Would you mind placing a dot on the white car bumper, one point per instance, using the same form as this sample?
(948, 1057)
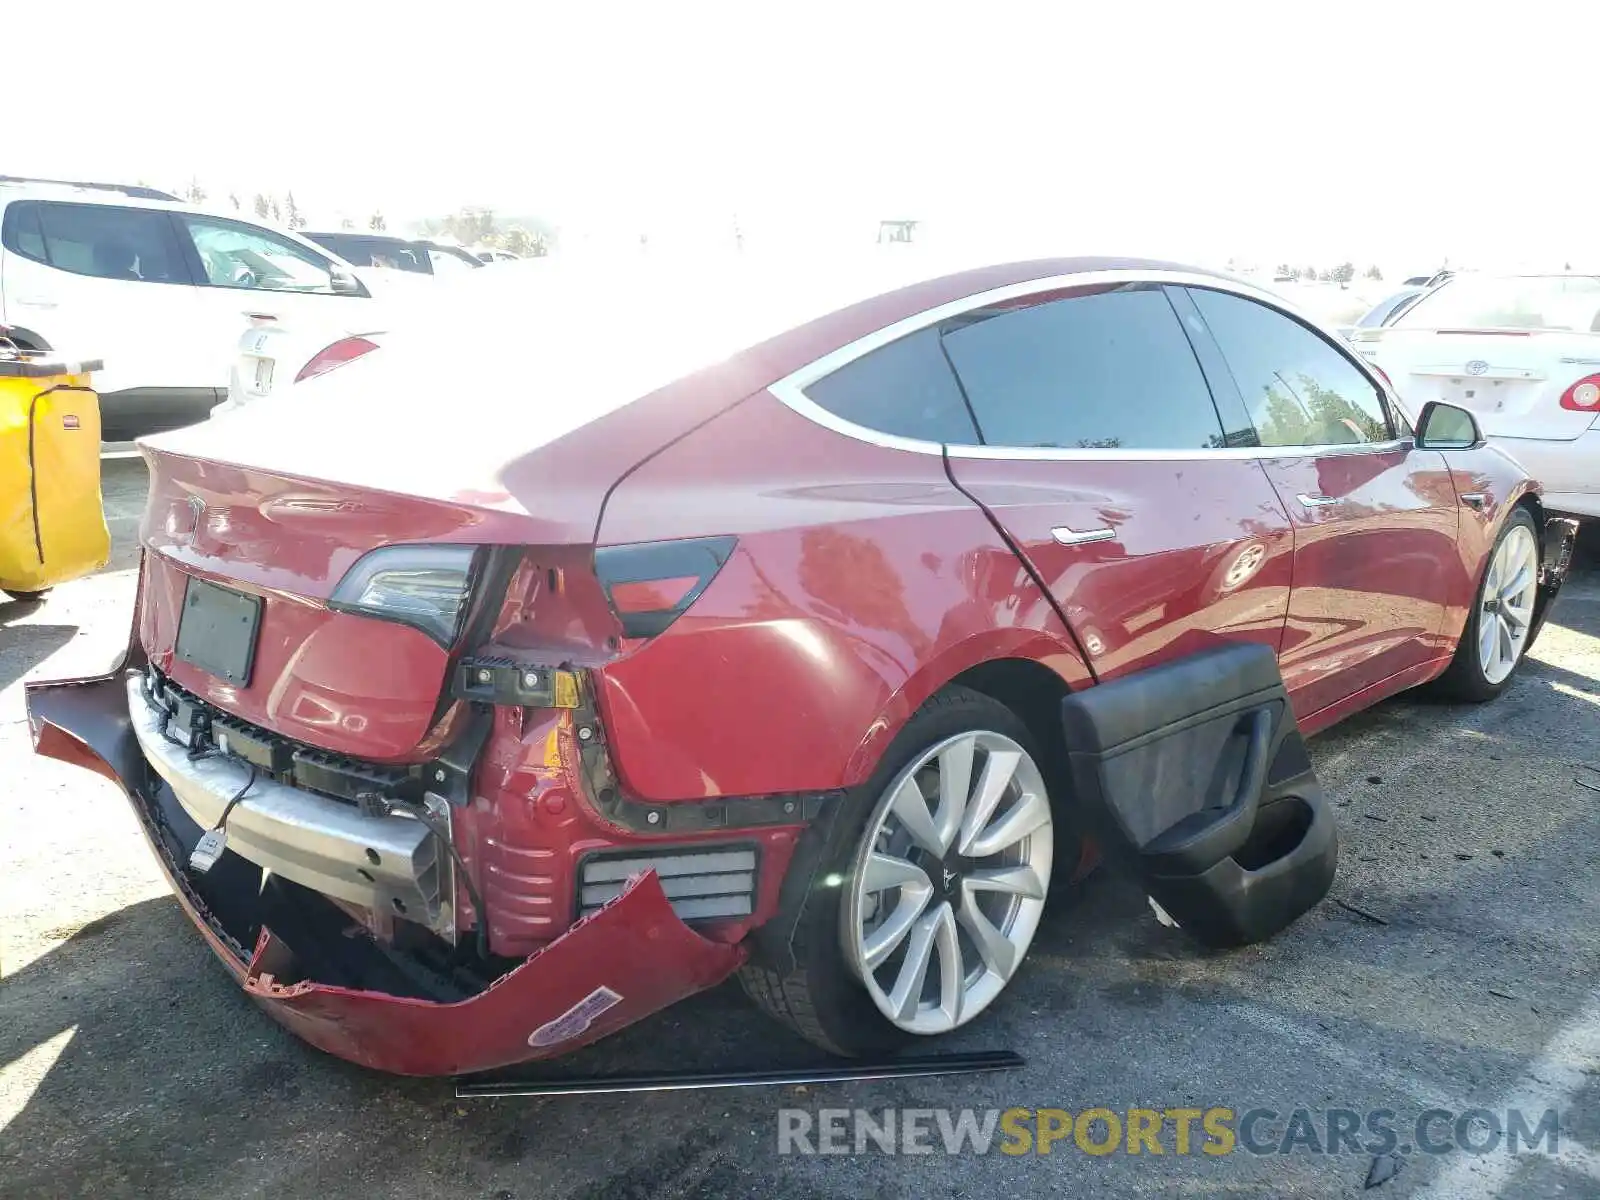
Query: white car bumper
(1569, 471)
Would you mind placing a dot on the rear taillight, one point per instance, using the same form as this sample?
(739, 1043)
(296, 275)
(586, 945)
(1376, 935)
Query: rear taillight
(1583, 396)
(650, 584)
(343, 351)
(425, 587)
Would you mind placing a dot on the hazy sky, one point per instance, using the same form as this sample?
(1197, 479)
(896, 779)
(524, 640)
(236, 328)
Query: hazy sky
(1399, 132)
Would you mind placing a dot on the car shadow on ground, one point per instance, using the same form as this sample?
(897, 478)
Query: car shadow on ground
(25, 646)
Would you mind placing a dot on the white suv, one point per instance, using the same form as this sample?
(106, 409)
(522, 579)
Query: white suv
(156, 288)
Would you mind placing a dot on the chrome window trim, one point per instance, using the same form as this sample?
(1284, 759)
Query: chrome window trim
(790, 390)
(1247, 453)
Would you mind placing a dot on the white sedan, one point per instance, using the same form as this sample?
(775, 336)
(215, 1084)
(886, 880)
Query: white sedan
(273, 353)
(1523, 353)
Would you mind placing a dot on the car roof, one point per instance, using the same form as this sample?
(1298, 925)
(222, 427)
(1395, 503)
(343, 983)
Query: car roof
(77, 193)
(96, 188)
(371, 235)
(622, 357)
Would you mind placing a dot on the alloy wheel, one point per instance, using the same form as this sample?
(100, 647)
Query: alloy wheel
(1505, 607)
(947, 890)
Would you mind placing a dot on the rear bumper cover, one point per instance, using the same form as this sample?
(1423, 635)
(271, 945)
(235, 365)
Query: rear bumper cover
(631, 958)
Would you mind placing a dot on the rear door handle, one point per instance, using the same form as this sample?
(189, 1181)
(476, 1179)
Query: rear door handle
(1316, 499)
(1068, 536)
(35, 302)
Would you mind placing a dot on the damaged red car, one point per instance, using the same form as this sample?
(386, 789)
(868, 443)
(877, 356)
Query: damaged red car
(550, 664)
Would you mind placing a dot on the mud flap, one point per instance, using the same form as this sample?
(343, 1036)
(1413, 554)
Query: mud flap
(1197, 779)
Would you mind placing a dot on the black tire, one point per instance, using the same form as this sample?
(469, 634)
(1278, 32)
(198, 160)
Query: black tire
(1464, 679)
(797, 971)
(26, 597)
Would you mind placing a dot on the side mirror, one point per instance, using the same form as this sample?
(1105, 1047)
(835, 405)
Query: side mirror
(1446, 427)
(345, 284)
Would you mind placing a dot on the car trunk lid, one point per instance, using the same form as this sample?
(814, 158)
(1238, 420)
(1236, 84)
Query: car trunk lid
(1510, 379)
(342, 681)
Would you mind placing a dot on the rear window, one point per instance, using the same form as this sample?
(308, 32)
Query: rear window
(1569, 302)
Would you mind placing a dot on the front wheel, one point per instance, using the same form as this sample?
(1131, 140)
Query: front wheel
(1501, 620)
(926, 891)
(26, 597)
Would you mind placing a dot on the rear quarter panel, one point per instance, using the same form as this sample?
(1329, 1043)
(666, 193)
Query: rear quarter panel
(863, 581)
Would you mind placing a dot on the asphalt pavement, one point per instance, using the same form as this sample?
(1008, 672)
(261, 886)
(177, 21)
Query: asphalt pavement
(1455, 967)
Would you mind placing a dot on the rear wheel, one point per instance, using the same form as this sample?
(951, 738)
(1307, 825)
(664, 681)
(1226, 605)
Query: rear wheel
(923, 892)
(1501, 620)
(25, 597)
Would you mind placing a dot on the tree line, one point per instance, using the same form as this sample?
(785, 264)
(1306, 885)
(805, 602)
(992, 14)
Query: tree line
(480, 227)
(470, 226)
(1343, 273)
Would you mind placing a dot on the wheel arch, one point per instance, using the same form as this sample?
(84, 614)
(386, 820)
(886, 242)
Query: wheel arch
(1028, 670)
(25, 338)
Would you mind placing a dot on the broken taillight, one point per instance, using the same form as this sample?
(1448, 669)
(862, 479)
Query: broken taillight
(650, 584)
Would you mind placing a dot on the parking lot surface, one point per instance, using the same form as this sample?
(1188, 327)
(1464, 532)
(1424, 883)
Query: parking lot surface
(1454, 966)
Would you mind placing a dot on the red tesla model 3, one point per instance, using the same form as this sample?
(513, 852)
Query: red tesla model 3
(553, 663)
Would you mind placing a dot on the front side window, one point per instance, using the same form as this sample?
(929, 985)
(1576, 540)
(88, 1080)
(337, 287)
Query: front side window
(1299, 390)
(905, 389)
(241, 256)
(1104, 368)
(134, 244)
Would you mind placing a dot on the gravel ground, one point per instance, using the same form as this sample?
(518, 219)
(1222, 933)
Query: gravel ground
(1455, 966)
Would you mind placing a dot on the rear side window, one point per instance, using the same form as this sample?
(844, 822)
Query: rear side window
(904, 388)
(361, 251)
(1300, 391)
(1098, 369)
(101, 240)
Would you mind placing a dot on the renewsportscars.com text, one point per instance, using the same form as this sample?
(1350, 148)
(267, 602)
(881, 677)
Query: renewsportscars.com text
(1217, 1130)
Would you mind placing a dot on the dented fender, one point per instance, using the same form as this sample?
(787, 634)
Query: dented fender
(625, 961)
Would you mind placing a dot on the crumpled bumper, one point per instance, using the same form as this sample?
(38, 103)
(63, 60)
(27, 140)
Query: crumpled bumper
(631, 958)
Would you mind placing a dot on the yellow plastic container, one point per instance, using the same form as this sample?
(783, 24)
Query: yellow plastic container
(52, 520)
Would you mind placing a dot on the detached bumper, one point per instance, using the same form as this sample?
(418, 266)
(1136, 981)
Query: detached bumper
(630, 958)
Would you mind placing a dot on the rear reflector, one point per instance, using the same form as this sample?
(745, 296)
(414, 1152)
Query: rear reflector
(650, 584)
(1583, 396)
(343, 351)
